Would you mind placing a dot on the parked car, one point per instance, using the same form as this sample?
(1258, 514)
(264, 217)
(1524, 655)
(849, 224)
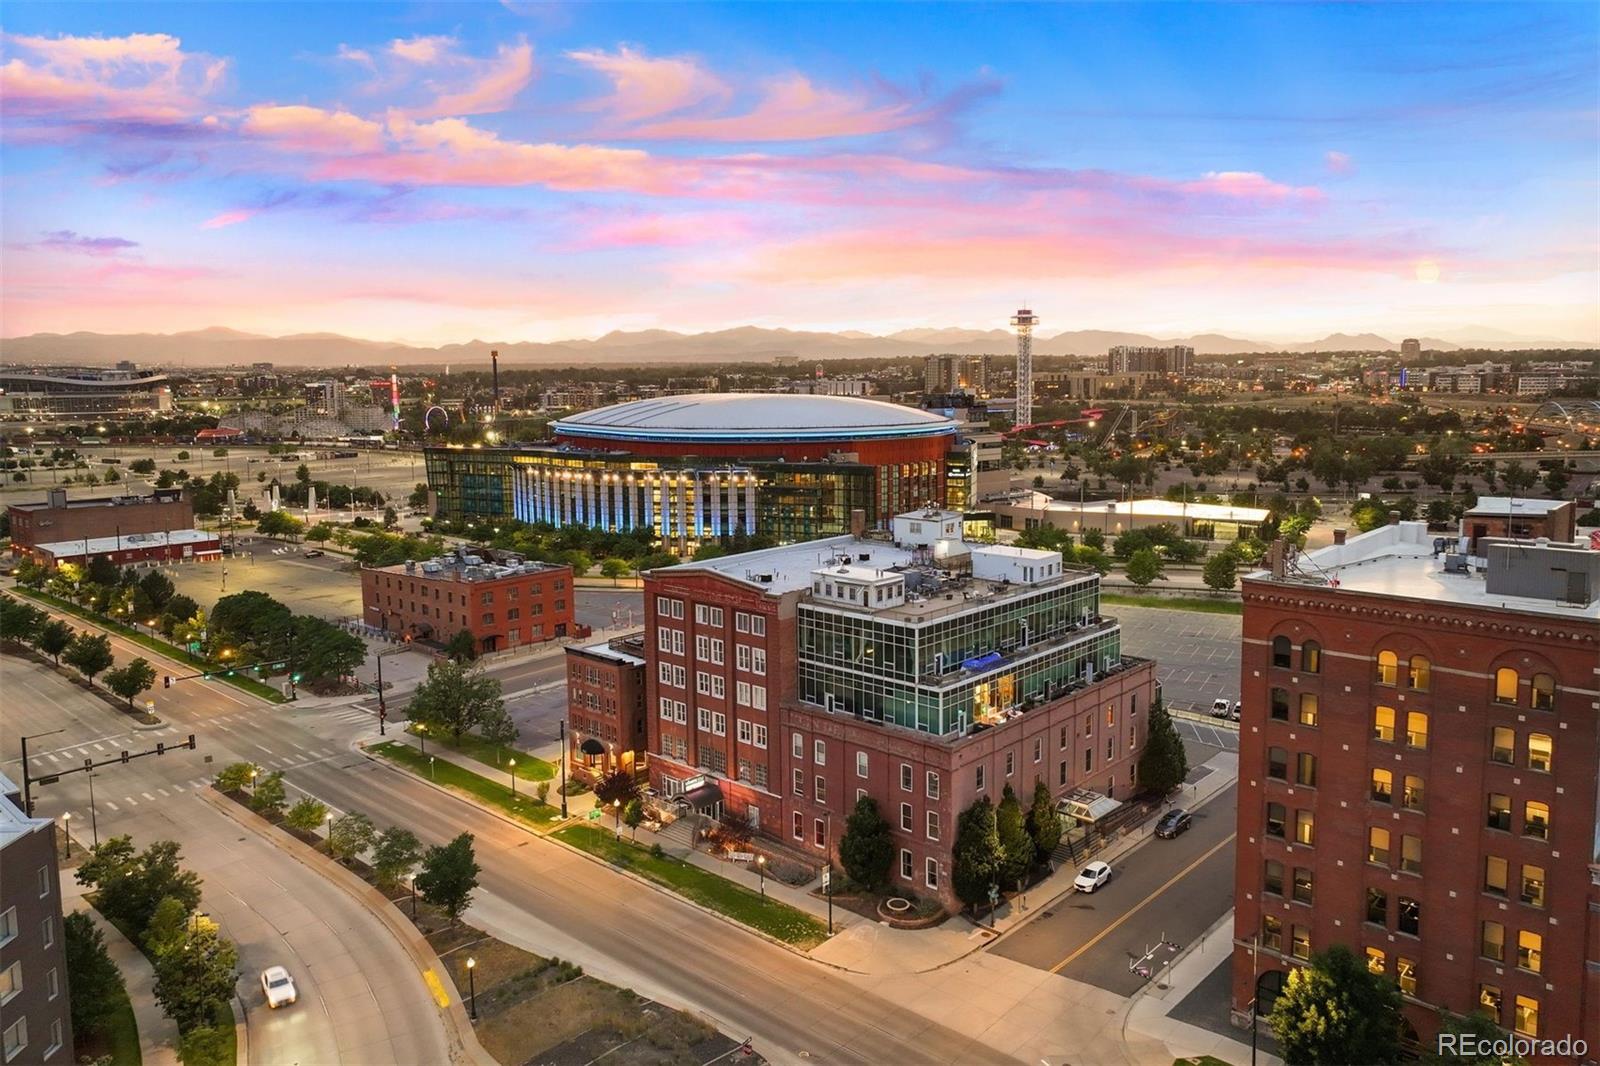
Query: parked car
(1238, 709)
(1173, 822)
(315, 553)
(1221, 708)
(278, 987)
(1092, 876)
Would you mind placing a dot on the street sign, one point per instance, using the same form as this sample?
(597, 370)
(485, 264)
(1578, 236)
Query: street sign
(52, 779)
(827, 879)
(742, 856)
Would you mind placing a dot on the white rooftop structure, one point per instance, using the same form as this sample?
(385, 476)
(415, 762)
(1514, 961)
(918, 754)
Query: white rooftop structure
(1150, 508)
(754, 416)
(64, 549)
(13, 823)
(1401, 560)
(788, 567)
(1502, 506)
(604, 650)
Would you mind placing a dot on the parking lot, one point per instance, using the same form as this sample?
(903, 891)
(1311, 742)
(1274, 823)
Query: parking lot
(1196, 654)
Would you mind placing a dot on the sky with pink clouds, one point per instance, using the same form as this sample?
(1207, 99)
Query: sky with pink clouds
(519, 171)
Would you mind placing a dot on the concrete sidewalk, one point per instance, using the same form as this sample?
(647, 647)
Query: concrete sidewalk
(1148, 1012)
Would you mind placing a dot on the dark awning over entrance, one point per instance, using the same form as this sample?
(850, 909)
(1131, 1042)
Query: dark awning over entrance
(701, 797)
(591, 746)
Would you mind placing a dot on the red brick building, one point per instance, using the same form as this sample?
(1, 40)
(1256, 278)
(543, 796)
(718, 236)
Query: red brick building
(503, 604)
(605, 707)
(783, 684)
(1524, 519)
(58, 519)
(1417, 769)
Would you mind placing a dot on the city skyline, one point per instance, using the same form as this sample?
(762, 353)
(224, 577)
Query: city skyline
(537, 173)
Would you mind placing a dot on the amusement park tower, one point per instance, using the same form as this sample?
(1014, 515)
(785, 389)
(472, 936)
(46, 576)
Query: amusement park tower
(1024, 320)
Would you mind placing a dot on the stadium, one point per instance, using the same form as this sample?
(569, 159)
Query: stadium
(701, 468)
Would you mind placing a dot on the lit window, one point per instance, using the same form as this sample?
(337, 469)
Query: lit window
(1383, 724)
(1544, 692)
(1489, 1001)
(1406, 970)
(1419, 673)
(1271, 932)
(1530, 951)
(1492, 941)
(1502, 745)
(1378, 845)
(1382, 785)
(1416, 729)
(1526, 1021)
(1505, 685)
(1303, 883)
(1411, 854)
(1311, 657)
(1536, 819)
(1377, 962)
(1308, 708)
(1533, 885)
(1499, 815)
(1540, 751)
(1494, 875)
(1305, 827)
(1388, 668)
(1305, 772)
(1300, 942)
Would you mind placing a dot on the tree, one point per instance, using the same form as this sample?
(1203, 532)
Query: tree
(616, 569)
(449, 875)
(975, 861)
(322, 532)
(19, 621)
(1163, 764)
(280, 524)
(132, 679)
(1044, 823)
(158, 589)
(1555, 481)
(102, 571)
(1221, 571)
(94, 980)
(498, 729)
(418, 497)
(1144, 566)
(204, 1044)
(169, 926)
(632, 815)
(462, 647)
(1016, 846)
(350, 835)
(1482, 1029)
(302, 474)
(866, 849)
(89, 654)
(306, 815)
(321, 649)
(394, 853)
(130, 885)
(192, 979)
(1336, 1012)
(455, 698)
(617, 785)
(234, 777)
(269, 795)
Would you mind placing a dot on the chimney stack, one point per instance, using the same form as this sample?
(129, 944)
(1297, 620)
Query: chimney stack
(1277, 559)
(1394, 518)
(858, 523)
(1339, 535)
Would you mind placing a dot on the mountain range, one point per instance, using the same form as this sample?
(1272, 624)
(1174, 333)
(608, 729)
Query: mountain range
(220, 346)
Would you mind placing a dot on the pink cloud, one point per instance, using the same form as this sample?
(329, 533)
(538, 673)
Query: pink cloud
(1338, 162)
(792, 108)
(644, 87)
(491, 85)
(312, 129)
(143, 77)
(228, 218)
(660, 230)
(66, 240)
(423, 50)
(1248, 185)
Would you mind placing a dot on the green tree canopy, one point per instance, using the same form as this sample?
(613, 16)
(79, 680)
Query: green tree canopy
(131, 680)
(306, 815)
(975, 862)
(195, 977)
(350, 835)
(462, 647)
(449, 875)
(89, 653)
(1016, 846)
(1221, 571)
(455, 698)
(866, 849)
(1044, 823)
(94, 980)
(1336, 1012)
(1164, 763)
(54, 637)
(269, 796)
(130, 884)
(1145, 566)
(394, 853)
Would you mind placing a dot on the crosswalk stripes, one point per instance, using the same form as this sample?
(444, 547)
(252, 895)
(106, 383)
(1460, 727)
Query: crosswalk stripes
(112, 805)
(130, 801)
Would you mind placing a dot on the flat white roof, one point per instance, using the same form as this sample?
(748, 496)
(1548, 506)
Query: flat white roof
(869, 575)
(1011, 551)
(753, 416)
(13, 823)
(1492, 506)
(604, 650)
(1398, 560)
(1151, 508)
(127, 542)
(788, 567)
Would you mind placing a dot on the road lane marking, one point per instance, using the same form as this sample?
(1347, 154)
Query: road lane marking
(147, 796)
(130, 801)
(267, 750)
(163, 791)
(99, 747)
(434, 986)
(113, 806)
(1108, 930)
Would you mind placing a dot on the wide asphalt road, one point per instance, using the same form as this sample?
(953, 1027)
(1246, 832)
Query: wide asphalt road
(1165, 889)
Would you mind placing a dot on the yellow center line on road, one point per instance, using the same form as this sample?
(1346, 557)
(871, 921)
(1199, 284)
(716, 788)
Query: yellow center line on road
(1108, 930)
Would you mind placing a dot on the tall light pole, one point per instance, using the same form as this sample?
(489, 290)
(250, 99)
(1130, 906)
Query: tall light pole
(512, 765)
(66, 833)
(472, 986)
(563, 767)
(761, 869)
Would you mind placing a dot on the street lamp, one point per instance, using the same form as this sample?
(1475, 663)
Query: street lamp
(254, 770)
(412, 878)
(616, 815)
(761, 868)
(422, 736)
(512, 764)
(472, 986)
(66, 832)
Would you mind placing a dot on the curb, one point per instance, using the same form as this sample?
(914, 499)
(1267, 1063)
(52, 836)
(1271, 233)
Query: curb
(459, 1026)
(1203, 718)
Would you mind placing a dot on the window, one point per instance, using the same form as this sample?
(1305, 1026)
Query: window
(930, 873)
(1533, 885)
(1494, 875)
(1525, 1019)
(1489, 1000)
(819, 832)
(1408, 917)
(1506, 682)
(719, 723)
(799, 821)
(1544, 692)
(1088, 760)
(821, 790)
(1382, 785)
(758, 625)
(1388, 668)
(47, 931)
(10, 982)
(1308, 708)
(1311, 657)
(43, 878)
(905, 864)
(1383, 724)
(819, 752)
(1271, 932)
(1300, 942)
(1416, 729)
(1406, 970)
(1530, 951)
(797, 745)
(741, 656)
(1282, 652)
(1278, 764)
(52, 984)
(1492, 941)
(758, 661)
(932, 785)
(16, 1038)
(1278, 704)
(906, 816)
(1272, 878)
(1305, 827)
(1536, 819)
(977, 777)
(1038, 748)
(703, 719)
(663, 639)
(1540, 751)
(905, 777)
(1377, 906)
(1411, 854)
(1414, 793)
(744, 731)
(1499, 812)
(799, 785)
(1378, 845)
(8, 924)
(1502, 745)
(1065, 733)
(1304, 882)
(1011, 763)
(1419, 673)
(1377, 962)
(1276, 819)
(933, 825)
(1305, 770)
(861, 764)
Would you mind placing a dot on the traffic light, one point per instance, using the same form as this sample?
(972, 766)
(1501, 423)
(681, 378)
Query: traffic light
(295, 678)
(191, 741)
(161, 747)
(166, 681)
(124, 756)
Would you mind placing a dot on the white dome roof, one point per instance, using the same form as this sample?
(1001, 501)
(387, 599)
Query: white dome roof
(754, 416)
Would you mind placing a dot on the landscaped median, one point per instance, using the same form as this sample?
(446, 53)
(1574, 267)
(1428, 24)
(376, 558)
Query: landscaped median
(529, 767)
(763, 913)
(524, 808)
(155, 644)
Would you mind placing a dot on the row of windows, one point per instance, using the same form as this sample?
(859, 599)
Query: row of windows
(1419, 673)
(707, 615)
(1380, 849)
(1530, 946)
(1496, 875)
(1535, 816)
(486, 597)
(1408, 912)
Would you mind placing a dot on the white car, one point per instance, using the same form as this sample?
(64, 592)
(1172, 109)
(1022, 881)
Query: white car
(1092, 876)
(278, 987)
(1221, 708)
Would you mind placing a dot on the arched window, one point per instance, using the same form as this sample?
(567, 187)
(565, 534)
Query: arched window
(1506, 682)
(1282, 652)
(1311, 657)
(1544, 692)
(1420, 673)
(1388, 668)
(1280, 704)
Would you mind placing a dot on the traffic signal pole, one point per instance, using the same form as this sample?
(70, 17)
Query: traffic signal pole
(89, 765)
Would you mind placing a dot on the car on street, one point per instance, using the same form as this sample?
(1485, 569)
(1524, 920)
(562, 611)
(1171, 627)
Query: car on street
(1174, 822)
(1221, 708)
(314, 553)
(1092, 876)
(278, 987)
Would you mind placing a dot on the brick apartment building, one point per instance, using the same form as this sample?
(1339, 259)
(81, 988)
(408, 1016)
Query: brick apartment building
(58, 519)
(1418, 777)
(916, 669)
(35, 1025)
(503, 604)
(605, 707)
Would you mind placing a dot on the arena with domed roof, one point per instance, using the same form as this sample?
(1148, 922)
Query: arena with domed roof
(709, 467)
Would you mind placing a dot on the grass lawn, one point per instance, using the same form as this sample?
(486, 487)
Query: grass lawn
(118, 1043)
(497, 794)
(155, 644)
(770, 916)
(529, 767)
(1174, 603)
